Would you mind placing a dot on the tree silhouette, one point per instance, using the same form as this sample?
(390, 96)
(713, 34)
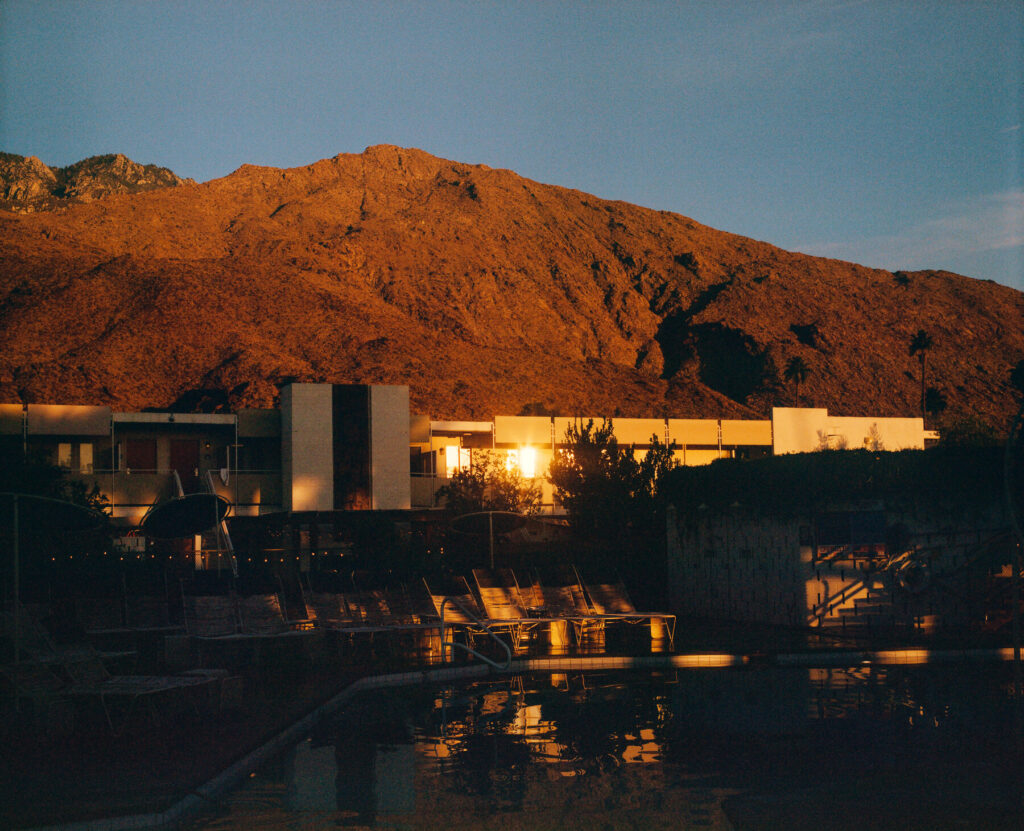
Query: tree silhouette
(603, 486)
(919, 345)
(796, 371)
(490, 485)
(934, 401)
(1017, 376)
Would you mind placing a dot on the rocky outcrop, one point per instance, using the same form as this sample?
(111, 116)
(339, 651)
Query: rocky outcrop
(484, 291)
(25, 182)
(27, 185)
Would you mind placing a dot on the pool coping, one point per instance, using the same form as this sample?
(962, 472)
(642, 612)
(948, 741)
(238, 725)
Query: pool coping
(203, 796)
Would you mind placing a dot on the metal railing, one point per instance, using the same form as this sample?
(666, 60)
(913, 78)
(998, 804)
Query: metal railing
(446, 644)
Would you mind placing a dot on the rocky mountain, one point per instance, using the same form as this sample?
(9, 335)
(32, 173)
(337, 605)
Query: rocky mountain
(26, 184)
(484, 291)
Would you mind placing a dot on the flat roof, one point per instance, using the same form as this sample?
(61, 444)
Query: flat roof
(212, 419)
(460, 426)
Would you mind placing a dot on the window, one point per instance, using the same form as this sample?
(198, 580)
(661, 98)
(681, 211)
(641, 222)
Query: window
(140, 454)
(75, 457)
(455, 458)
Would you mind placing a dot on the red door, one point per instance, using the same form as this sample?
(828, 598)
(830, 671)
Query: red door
(185, 460)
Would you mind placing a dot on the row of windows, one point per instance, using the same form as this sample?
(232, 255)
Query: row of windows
(184, 455)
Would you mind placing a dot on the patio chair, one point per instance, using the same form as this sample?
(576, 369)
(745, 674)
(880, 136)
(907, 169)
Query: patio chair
(465, 611)
(35, 642)
(100, 615)
(458, 608)
(562, 596)
(262, 614)
(369, 608)
(90, 679)
(500, 600)
(328, 610)
(504, 605)
(148, 613)
(239, 630)
(210, 616)
(610, 601)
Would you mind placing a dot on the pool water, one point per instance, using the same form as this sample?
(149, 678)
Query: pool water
(926, 747)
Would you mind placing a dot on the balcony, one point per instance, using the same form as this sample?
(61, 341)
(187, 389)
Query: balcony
(131, 493)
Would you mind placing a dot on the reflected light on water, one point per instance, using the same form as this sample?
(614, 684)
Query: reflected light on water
(659, 750)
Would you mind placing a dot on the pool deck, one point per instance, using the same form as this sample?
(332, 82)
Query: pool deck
(154, 773)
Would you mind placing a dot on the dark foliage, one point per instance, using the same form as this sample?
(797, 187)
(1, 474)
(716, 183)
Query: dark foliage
(800, 483)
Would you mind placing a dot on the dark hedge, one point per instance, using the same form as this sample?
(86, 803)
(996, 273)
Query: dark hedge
(798, 483)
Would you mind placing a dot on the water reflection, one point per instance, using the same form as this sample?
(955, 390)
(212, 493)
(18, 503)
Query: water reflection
(897, 747)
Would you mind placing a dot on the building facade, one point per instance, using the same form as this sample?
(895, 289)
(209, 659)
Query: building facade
(334, 447)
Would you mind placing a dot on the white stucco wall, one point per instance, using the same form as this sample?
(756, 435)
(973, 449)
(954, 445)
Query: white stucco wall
(389, 448)
(307, 447)
(807, 429)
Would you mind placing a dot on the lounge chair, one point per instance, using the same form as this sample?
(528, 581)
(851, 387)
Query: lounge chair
(562, 596)
(241, 629)
(91, 679)
(36, 644)
(84, 677)
(372, 620)
(463, 610)
(210, 616)
(144, 613)
(504, 604)
(501, 601)
(610, 601)
(458, 608)
(370, 608)
(328, 610)
(100, 615)
(263, 614)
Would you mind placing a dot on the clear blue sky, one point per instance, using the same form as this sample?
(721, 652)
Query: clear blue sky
(887, 133)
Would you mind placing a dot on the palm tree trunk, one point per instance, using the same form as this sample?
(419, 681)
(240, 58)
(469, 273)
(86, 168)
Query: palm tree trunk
(921, 358)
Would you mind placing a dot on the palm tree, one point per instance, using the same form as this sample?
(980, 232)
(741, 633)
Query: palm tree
(797, 372)
(1017, 377)
(934, 401)
(919, 345)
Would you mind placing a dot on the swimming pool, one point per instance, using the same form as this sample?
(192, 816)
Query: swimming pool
(869, 746)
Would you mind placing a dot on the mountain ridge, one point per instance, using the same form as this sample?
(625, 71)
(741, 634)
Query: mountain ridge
(27, 184)
(484, 291)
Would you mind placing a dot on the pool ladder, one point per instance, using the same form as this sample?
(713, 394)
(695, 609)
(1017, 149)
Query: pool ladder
(446, 644)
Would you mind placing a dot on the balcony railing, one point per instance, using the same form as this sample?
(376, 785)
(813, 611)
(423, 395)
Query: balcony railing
(132, 492)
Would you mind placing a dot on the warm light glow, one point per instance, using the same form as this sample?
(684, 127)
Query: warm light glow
(902, 656)
(455, 458)
(524, 459)
(706, 660)
(528, 462)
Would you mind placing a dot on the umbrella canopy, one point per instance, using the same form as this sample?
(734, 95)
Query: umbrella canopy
(29, 511)
(53, 514)
(184, 516)
(487, 522)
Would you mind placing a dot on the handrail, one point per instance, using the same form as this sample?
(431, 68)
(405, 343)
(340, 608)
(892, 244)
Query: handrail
(452, 644)
(823, 609)
(223, 535)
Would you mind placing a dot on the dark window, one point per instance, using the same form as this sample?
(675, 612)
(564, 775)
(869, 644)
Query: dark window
(140, 454)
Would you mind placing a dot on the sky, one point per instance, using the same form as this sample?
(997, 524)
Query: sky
(886, 133)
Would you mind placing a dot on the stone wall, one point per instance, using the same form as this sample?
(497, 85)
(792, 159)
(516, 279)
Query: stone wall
(739, 565)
